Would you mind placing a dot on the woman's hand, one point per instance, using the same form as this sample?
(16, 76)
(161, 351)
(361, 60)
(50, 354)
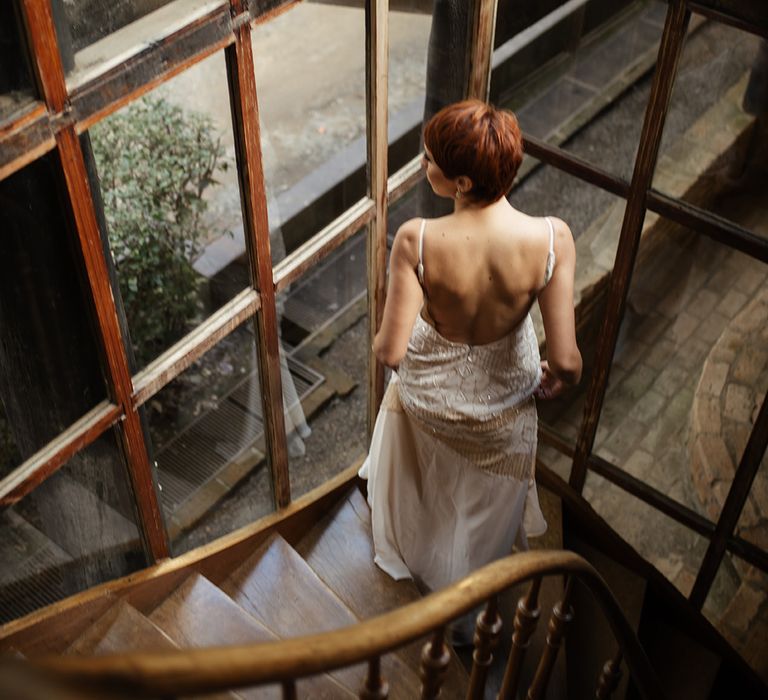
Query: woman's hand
(550, 386)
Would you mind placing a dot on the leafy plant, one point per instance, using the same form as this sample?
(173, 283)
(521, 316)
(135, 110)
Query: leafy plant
(155, 161)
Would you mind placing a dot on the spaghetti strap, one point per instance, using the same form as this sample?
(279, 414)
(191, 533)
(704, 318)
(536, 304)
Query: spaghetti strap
(420, 268)
(550, 268)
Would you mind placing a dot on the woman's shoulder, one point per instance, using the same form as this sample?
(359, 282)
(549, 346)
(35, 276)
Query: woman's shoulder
(561, 228)
(564, 242)
(406, 241)
(536, 229)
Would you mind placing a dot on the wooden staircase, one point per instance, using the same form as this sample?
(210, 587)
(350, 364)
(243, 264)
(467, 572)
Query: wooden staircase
(310, 571)
(326, 582)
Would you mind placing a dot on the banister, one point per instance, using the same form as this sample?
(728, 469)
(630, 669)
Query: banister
(220, 668)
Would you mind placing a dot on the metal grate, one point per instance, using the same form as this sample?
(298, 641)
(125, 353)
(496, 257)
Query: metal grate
(217, 438)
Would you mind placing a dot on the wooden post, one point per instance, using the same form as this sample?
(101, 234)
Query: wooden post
(526, 619)
(245, 117)
(487, 635)
(631, 228)
(609, 677)
(481, 48)
(562, 615)
(375, 688)
(376, 40)
(434, 662)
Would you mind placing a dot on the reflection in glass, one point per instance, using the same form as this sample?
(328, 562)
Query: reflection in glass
(50, 373)
(207, 434)
(325, 341)
(671, 547)
(310, 74)
(172, 207)
(88, 21)
(75, 530)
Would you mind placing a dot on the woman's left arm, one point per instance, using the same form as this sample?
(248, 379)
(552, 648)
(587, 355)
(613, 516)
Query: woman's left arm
(404, 297)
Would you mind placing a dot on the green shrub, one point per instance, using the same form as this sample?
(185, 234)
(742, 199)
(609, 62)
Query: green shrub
(155, 161)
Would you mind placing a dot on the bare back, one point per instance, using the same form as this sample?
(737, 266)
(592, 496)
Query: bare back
(482, 270)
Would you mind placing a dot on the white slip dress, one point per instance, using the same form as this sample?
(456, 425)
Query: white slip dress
(451, 465)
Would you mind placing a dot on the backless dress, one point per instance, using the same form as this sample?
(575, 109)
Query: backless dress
(451, 465)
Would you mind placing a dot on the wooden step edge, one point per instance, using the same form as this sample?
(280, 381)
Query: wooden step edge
(202, 597)
(121, 628)
(404, 681)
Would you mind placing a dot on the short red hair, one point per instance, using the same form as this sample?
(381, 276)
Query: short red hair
(479, 141)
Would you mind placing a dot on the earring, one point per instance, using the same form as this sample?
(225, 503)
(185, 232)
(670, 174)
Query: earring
(458, 193)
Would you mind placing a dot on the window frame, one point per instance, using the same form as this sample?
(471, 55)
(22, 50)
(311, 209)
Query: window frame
(56, 119)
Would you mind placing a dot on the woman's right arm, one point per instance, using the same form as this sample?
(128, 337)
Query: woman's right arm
(562, 368)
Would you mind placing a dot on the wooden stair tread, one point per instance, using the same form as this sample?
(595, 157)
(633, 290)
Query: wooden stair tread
(360, 584)
(281, 590)
(365, 588)
(123, 628)
(186, 616)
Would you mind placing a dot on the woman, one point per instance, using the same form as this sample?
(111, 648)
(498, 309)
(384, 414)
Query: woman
(451, 466)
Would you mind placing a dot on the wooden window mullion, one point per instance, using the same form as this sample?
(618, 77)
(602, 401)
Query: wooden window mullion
(46, 461)
(245, 111)
(481, 48)
(376, 93)
(47, 59)
(49, 69)
(631, 228)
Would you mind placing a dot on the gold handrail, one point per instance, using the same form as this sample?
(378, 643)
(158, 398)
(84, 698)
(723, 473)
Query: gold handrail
(221, 668)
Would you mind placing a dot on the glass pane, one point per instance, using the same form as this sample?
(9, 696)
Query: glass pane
(736, 606)
(15, 73)
(671, 547)
(50, 372)
(310, 74)
(409, 33)
(560, 67)
(77, 529)
(207, 434)
(324, 354)
(171, 204)
(689, 367)
(709, 141)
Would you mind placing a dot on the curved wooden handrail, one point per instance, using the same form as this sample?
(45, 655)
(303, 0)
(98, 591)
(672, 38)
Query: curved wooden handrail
(221, 668)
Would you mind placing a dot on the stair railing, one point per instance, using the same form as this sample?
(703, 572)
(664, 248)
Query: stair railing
(199, 671)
